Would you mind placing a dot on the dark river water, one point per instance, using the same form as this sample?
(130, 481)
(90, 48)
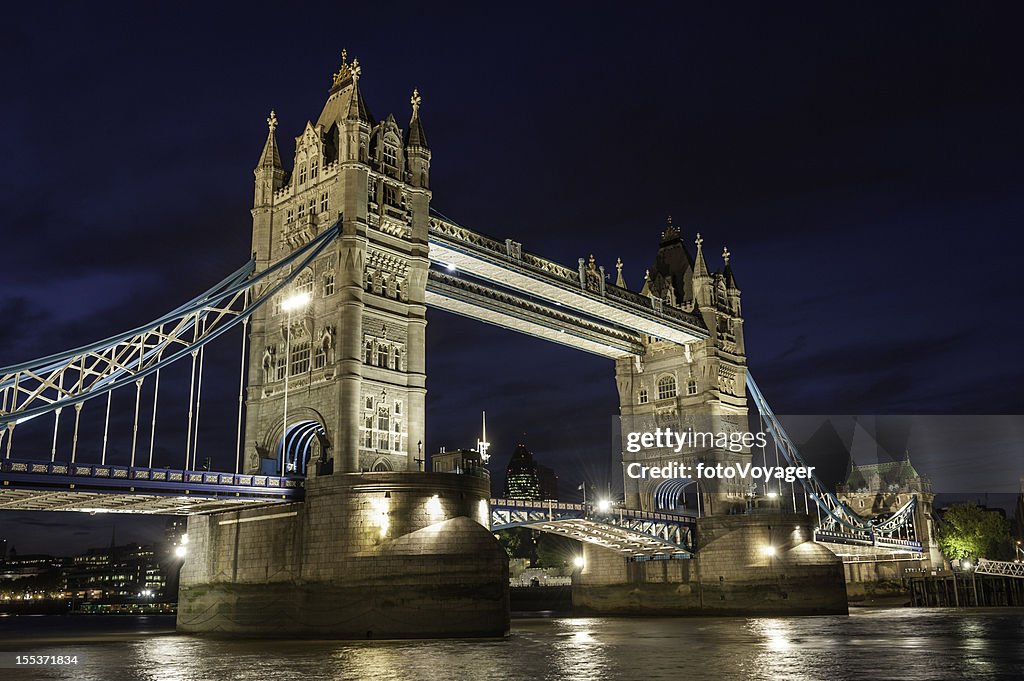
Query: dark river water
(931, 645)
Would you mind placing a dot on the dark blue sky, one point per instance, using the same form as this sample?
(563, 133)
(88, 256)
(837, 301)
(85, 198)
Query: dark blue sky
(862, 162)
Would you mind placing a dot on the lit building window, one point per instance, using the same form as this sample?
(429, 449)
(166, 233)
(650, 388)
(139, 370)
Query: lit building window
(300, 357)
(666, 387)
(304, 284)
(390, 156)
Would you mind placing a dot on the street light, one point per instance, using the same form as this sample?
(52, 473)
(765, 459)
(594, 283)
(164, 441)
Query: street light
(578, 562)
(296, 301)
(604, 505)
(180, 551)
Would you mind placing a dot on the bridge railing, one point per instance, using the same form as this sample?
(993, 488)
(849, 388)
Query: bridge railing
(105, 475)
(511, 252)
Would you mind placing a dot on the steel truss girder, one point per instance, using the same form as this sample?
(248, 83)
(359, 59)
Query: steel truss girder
(637, 534)
(1002, 568)
(51, 383)
(506, 264)
(513, 310)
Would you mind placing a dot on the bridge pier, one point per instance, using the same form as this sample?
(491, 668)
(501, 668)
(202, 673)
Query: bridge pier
(745, 564)
(372, 555)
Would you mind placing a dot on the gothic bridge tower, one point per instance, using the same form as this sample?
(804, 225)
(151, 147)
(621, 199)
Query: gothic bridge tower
(698, 386)
(347, 337)
(377, 548)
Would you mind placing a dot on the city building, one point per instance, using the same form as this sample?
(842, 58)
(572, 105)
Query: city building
(878, 490)
(522, 480)
(466, 461)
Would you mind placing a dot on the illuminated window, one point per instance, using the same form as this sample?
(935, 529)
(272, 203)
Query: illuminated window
(300, 358)
(304, 284)
(666, 387)
(329, 284)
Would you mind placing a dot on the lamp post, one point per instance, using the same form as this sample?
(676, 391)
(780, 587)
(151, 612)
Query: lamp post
(293, 302)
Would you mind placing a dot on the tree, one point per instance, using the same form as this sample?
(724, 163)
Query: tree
(969, 531)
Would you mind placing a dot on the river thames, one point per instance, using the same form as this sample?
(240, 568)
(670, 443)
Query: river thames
(925, 644)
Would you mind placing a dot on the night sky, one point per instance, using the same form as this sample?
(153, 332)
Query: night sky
(862, 163)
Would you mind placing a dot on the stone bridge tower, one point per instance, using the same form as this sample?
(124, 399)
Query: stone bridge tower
(699, 386)
(347, 337)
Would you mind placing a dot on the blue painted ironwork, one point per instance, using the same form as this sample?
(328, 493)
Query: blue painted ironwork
(41, 475)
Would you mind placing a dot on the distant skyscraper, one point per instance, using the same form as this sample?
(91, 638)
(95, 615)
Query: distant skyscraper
(521, 478)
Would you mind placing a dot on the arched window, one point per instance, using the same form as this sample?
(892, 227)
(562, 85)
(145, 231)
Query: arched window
(642, 396)
(691, 387)
(666, 387)
(319, 357)
(390, 156)
(368, 359)
(382, 355)
(393, 358)
(380, 467)
(314, 168)
(304, 283)
(302, 173)
(369, 280)
(398, 289)
(329, 284)
(383, 419)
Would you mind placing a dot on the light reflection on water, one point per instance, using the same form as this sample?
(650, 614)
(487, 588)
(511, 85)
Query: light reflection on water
(905, 644)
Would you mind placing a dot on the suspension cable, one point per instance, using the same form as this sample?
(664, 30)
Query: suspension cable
(241, 398)
(199, 395)
(106, 428)
(152, 430)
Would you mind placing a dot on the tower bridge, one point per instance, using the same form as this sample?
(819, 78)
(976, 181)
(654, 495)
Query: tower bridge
(327, 525)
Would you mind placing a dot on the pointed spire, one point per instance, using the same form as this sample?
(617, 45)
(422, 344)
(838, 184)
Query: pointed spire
(416, 136)
(357, 109)
(730, 280)
(619, 281)
(646, 290)
(271, 157)
(700, 267)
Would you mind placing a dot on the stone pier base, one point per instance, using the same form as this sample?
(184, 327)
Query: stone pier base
(367, 555)
(745, 564)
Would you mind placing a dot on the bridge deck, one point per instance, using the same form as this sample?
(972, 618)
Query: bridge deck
(93, 488)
